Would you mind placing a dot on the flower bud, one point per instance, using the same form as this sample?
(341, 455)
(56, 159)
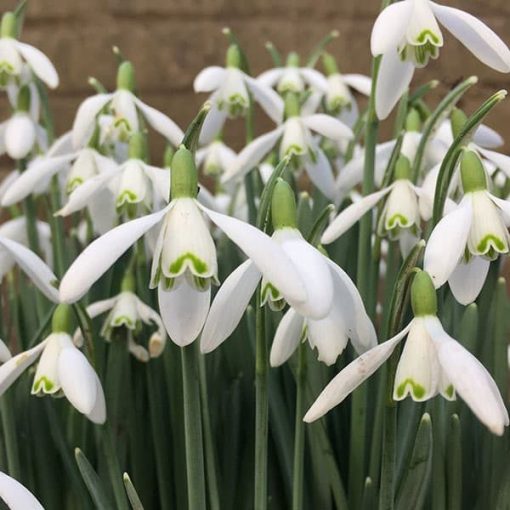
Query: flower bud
(62, 321)
(472, 172)
(293, 59)
(458, 119)
(9, 26)
(126, 76)
(283, 206)
(19, 135)
(184, 178)
(423, 295)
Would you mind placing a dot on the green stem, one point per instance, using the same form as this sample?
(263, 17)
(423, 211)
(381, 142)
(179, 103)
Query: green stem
(261, 408)
(193, 429)
(9, 429)
(299, 436)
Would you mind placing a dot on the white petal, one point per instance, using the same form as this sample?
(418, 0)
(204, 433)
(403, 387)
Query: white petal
(100, 307)
(321, 174)
(78, 379)
(328, 335)
(251, 155)
(13, 368)
(287, 337)
(271, 77)
(5, 353)
(502, 161)
(161, 123)
(229, 305)
(477, 37)
(16, 496)
(352, 214)
(467, 280)
(183, 310)
(30, 180)
(40, 64)
(447, 243)
(265, 253)
(19, 135)
(97, 258)
(267, 98)
(504, 206)
(328, 126)
(352, 376)
(85, 116)
(470, 379)
(98, 413)
(40, 274)
(359, 82)
(390, 27)
(209, 79)
(213, 122)
(487, 137)
(394, 77)
(7, 182)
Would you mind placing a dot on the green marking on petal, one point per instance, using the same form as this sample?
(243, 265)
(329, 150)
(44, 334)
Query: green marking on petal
(450, 391)
(491, 245)
(73, 184)
(127, 196)
(123, 320)
(198, 267)
(397, 220)
(44, 385)
(428, 36)
(417, 390)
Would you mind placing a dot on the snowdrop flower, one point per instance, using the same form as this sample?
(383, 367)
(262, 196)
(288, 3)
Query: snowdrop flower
(333, 312)
(184, 263)
(215, 158)
(13, 55)
(127, 310)
(296, 139)
(231, 90)
(432, 362)
(132, 182)
(292, 78)
(466, 239)
(407, 35)
(62, 369)
(16, 496)
(126, 109)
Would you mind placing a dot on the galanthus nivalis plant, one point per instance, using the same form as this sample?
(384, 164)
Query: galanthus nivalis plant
(287, 244)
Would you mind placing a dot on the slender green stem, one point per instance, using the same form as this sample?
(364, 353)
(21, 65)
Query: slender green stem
(193, 429)
(299, 436)
(9, 429)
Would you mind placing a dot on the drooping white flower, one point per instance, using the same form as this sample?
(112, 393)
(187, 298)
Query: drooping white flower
(467, 238)
(232, 90)
(295, 136)
(14, 54)
(215, 158)
(432, 362)
(16, 496)
(184, 263)
(407, 35)
(125, 108)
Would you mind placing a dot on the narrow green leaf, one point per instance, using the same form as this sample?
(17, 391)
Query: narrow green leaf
(191, 137)
(136, 504)
(454, 465)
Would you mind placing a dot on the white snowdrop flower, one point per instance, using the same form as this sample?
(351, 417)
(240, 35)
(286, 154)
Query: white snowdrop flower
(467, 238)
(295, 136)
(432, 362)
(333, 312)
(62, 369)
(14, 54)
(184, 263)
(16, 496)
(215, 158)
(232, 90)
(125, 108)
(407, 35)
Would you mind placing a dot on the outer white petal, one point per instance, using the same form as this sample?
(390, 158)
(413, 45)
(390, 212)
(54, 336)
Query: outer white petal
(328, 126)
(287, 337)
(13, 368)
(85, 116)
(5, 353)
(98, 413)
(350, 215)
(40, 64)
(161, 122)
(157, 340)
(394, 77)
(502, 161)
(251, 155)
(30, 180)
(265, 253)
(470, 379)
(271, 77)
(477, 37)
(328, 335)
(352, 376)
(19, 135)
(183, 310)
(504, 206)
(78, 379)
(467, 280)
(40, 274)
(229, 305)
(95, 260)
(314, 78)
(321, 174)
(209, 79)
(359, 82)
(16, 496)
(267, 98)
(447, 243)
(487, 137)
(213, 122)
(390, 27)
(7, 182)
